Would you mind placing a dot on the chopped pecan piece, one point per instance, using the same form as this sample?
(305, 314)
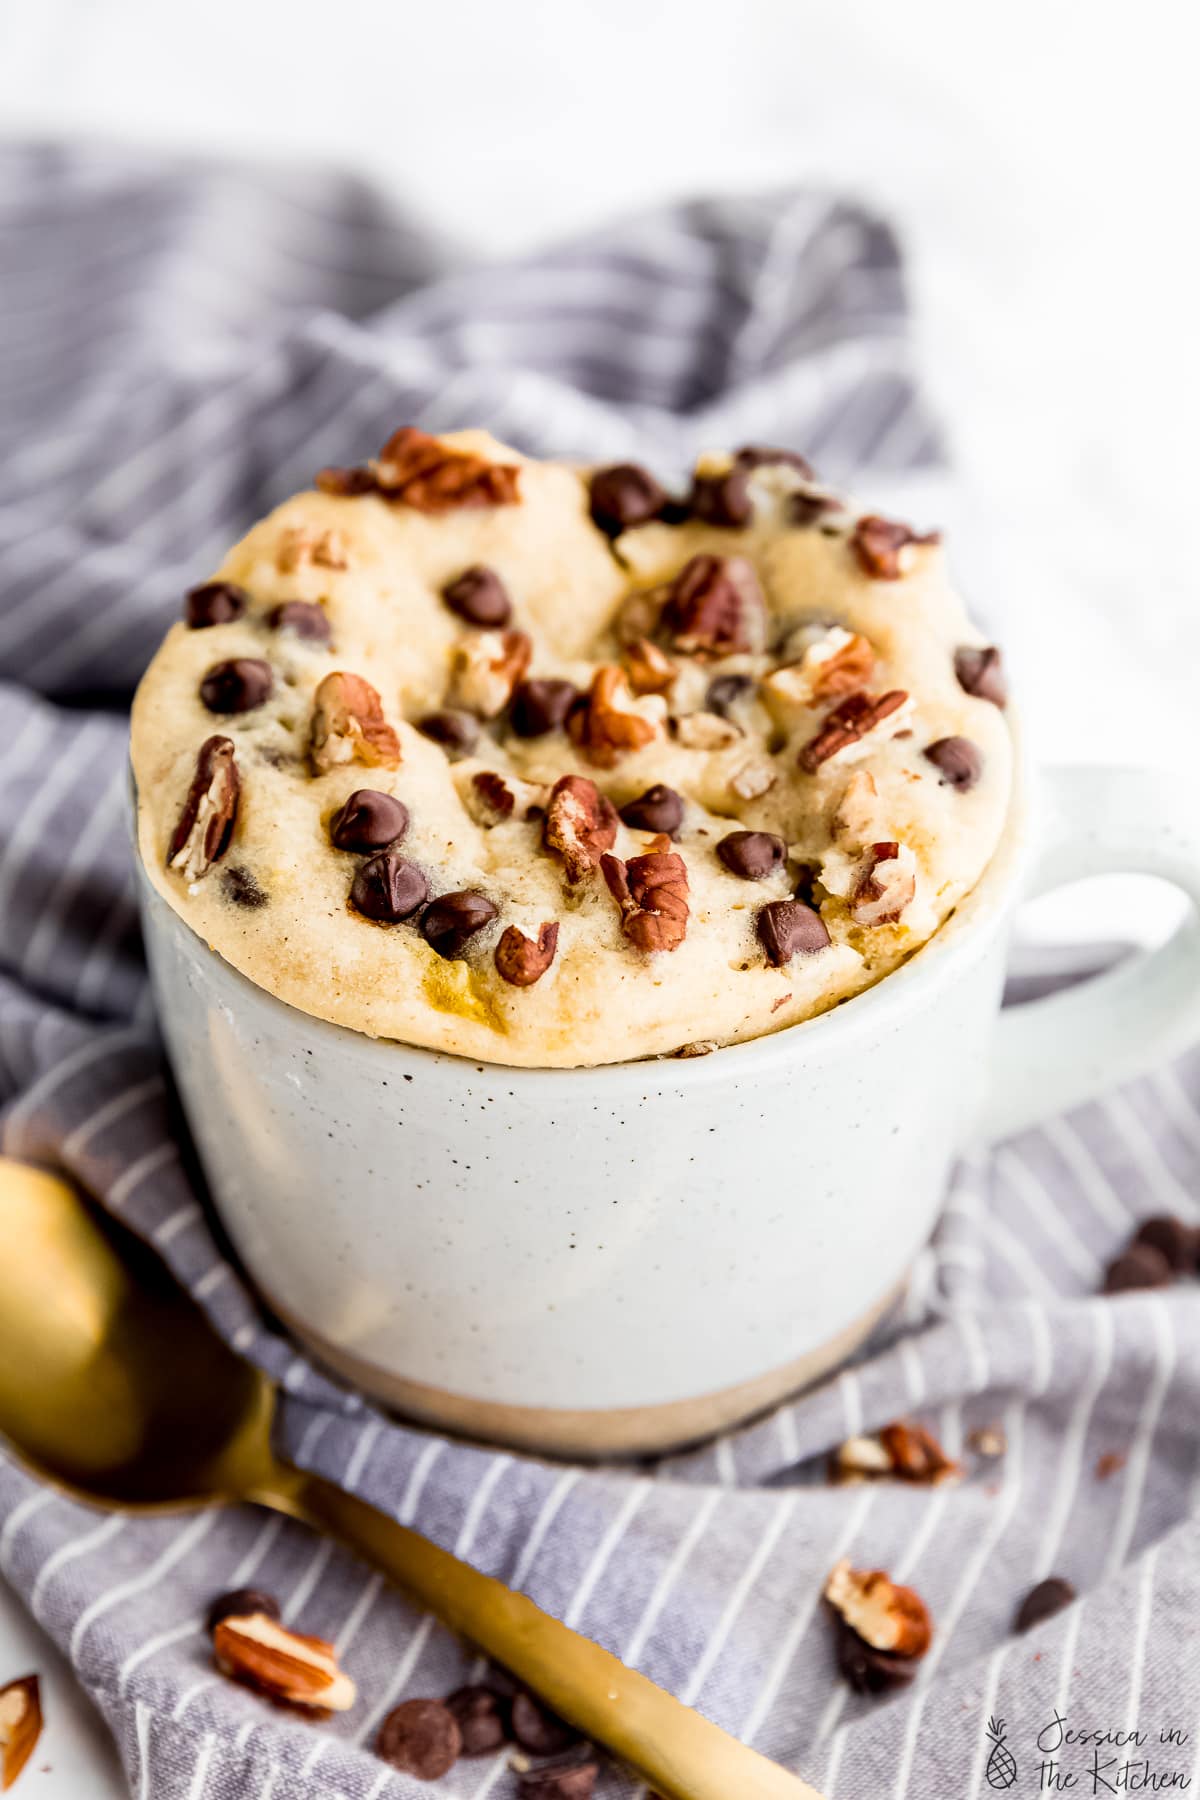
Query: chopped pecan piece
(903, 1450)
(417, 470)
(715, 607)
(885, 548)
(838, 662)
(850, 722)
(705, 731)
(856, 816)
(885, 884)
(649, 669)
(298, 545)
(206, 823)
(886, 1616)
(348, 725)
(652, 893)
(611, 722)
(581, 824)
(485, 668)
(20, 1726)
(755, 778)
(282, 1664)
(491, 798)
(522, 960)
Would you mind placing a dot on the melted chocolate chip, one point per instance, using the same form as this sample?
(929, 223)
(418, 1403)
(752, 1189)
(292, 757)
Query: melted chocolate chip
(541, 706)
(1175, 1238)
(1139, 1266)
(453, 918)
(482, 1716)
(871, 1671)
(1043, 1601)
(304, 618)
(660, 808)
(624, 495)
(242, 1603)
(788, 928)
(388, 888)
(758, 456)
(722, 499)
(980, 671)
(959, 761)
(237, 686)
(574, 1780)
(214, 603)
(538, 1730)
(457, 732)
(420, 1737)
(368, 820)
(806, 509)
(753, 855)
(725, 691)
(239, 885)
(479, 596)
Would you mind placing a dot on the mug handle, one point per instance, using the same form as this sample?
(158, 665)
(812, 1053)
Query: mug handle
(1056, 1053)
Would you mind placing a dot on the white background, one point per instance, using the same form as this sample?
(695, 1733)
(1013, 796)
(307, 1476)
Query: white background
(1041, 159)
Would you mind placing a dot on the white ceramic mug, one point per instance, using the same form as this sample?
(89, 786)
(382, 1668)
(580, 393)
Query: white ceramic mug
(622, 1259)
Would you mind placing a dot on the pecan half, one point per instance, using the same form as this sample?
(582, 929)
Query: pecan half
(581, 824)
(886, 1616)
(522, 960)
(652, 893)
(885, 884)
(201, 837)
(850, 722)
(492, 798)
(485, 668)
(348, 725)
(611, 722)
(887, 549)
(715, 607)
(20, 1726)
(837, 662)
(649, 669)
(298, 545)
(417, 470)
(282, 1664)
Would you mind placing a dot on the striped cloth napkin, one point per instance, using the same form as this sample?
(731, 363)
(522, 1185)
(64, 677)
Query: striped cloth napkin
(181, 347)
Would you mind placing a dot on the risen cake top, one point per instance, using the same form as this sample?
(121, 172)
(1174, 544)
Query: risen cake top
(540, 766)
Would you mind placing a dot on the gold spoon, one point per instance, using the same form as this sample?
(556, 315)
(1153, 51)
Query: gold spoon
(114, 1386)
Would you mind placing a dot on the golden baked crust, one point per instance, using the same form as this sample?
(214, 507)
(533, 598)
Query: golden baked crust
(845, 637)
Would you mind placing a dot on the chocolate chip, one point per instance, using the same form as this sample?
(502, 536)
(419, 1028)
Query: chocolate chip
(559, 1781)
(788, 928)
(421, 1738)
(538, 1730)
(541, 706)
(1139, 1266)
(388, 888)
(304, 618)
(368, 820)
(457, 732)
(237, 686)
(1177, 1240)
(453, 918)
(1043, 1601)
(479, 596)
(660, 808)
(959, 761)
(722, 499)
(980, 671)
(624, 495)
(242, 1603)
(806, 509)
(481, 1714)
(725, 691)
(753, 855)
(758, 456)
(239, 885)
(214, 603)
(871, 1671)
(806, 880)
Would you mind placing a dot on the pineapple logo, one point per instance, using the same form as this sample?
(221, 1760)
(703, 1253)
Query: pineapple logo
(1001, 1768)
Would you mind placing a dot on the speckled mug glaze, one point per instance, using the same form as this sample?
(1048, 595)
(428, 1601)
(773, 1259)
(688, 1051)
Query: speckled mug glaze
(620, 1259)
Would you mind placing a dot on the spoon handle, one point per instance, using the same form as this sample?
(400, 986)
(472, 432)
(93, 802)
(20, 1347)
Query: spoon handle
(681, 1754)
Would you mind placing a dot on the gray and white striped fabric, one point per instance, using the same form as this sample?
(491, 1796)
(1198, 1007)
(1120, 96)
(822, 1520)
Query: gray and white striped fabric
(180, 347)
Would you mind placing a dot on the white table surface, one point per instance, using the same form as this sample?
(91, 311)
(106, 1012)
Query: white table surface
(1039, 159)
